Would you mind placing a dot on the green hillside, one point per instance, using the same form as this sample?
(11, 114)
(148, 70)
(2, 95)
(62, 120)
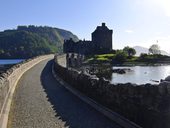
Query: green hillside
(29, 41)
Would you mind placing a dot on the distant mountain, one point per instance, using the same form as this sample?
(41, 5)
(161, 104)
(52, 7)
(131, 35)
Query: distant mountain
(29, 41)
(164, 53)
(140, 50)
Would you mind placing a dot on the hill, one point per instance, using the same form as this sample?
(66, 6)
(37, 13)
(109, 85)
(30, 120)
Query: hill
(140, 50)
(29, 41)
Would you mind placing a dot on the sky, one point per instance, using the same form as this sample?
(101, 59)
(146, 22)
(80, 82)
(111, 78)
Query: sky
(134, 22)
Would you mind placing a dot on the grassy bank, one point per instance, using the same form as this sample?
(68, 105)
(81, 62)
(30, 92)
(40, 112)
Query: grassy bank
(116, 59)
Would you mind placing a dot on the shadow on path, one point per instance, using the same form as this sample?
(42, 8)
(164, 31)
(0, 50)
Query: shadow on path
(69, 108)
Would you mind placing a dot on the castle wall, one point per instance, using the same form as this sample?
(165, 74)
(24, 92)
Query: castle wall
(101, 43)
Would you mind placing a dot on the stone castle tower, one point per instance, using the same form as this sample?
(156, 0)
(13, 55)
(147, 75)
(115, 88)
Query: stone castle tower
(101, 42)
(102, 38)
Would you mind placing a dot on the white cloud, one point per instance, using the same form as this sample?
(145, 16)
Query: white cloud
(129, 31)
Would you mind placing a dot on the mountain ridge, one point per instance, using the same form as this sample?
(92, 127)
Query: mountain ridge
(140, 49)
(29, 41)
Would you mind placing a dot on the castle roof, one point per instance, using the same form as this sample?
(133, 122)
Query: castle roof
(101, 28)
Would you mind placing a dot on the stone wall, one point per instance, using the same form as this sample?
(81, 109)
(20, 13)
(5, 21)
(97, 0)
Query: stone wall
(8, 81)
(147, 105)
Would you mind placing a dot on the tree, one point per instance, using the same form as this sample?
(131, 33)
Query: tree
(130, 51)
(154, 49)
(121, 56)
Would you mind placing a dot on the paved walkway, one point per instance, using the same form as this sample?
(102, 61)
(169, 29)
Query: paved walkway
(41, 102)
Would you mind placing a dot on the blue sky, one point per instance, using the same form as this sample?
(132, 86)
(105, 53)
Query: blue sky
(134, 22)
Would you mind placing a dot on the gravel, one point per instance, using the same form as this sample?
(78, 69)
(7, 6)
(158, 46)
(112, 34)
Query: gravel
(41, 102)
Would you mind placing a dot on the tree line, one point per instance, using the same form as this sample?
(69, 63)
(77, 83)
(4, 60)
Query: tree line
(28, 41)
(128, 53)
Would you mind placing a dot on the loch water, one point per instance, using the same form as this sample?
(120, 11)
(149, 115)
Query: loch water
(141, 74)
(10, 61)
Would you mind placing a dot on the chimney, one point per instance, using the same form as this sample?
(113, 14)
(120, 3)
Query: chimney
(103, 25)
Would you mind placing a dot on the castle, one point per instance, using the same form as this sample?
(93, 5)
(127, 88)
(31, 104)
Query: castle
(101, 43)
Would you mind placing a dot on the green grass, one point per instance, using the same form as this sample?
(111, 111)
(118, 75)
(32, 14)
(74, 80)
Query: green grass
(133, 59)
(100, 58)
(147, 59)
(104, 55)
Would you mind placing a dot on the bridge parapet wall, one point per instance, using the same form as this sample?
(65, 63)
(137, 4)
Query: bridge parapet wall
(147, 105)
(8, 81)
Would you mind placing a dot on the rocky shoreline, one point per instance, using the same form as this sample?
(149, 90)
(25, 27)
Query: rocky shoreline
(121, 70)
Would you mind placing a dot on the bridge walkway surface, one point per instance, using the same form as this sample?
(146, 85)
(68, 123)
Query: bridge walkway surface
(40, 101)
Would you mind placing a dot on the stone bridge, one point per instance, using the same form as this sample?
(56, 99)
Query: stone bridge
(30, 97)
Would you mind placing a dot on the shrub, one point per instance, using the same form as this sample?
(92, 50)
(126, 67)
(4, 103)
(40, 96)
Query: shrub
(120, 57)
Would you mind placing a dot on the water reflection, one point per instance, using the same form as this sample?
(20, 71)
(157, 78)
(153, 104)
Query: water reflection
(141, 74)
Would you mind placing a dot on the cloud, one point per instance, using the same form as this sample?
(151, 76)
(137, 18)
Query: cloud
(129, 31)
